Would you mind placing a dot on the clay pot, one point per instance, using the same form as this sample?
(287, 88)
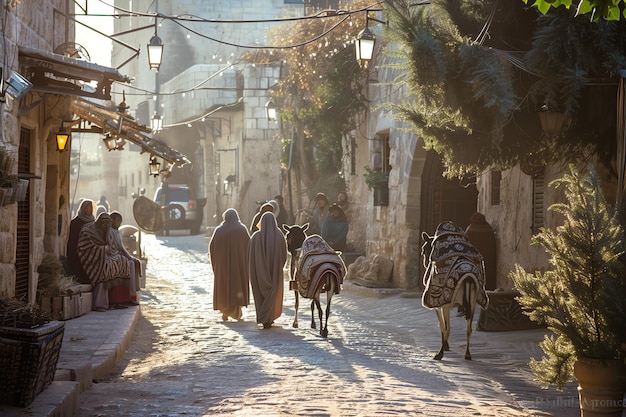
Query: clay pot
(601, 386)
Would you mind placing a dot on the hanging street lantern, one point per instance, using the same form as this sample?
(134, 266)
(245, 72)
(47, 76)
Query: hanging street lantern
(156, 123)
(270, 109)
(364, 44)
(155, 166)
(63, 138)
(155, 52)
(110, 142)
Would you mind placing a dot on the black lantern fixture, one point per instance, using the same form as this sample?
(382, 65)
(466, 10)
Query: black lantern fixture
(552, 122)
(365, 40)
(270, 109)
(157, 122)
(229, 184)
(63, 138)
(110, 142)
(155, 166)
(155, 52)
(364, 45)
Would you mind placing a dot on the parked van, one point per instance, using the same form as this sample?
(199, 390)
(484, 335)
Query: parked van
(181, 208)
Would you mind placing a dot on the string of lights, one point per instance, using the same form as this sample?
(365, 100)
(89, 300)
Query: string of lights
(295, 45)
(185, 21)
(325, 14)
(329, 13)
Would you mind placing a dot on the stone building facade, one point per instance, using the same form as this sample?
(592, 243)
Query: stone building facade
(62, 92)
(37, 225)
(514, 202)
(212, 103)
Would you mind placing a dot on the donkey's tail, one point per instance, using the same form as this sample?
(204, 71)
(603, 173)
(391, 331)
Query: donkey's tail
(469, 297)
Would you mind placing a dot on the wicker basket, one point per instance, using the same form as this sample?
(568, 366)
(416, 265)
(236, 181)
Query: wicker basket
(28, 361)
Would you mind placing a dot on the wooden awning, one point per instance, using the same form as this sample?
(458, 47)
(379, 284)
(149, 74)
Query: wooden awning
(59, 74)
(120, 124)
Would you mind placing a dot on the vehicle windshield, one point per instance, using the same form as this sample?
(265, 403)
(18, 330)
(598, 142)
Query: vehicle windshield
(175, 194)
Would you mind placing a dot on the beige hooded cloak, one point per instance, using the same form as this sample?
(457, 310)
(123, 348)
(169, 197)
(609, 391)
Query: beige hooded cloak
(267, 256)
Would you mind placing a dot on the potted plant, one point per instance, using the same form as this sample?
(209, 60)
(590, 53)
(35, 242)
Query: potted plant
(378, 180)
(582, 298)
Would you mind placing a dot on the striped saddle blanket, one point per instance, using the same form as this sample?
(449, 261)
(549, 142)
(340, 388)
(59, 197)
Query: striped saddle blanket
(316, 259)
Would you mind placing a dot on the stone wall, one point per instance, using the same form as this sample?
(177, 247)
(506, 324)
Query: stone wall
(511, 220)
(392, 231)
(40, 25)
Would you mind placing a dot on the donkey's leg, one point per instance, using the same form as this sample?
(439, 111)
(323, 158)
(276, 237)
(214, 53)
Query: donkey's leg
(313, 302)
(320, 312)
(443, 314)
(471, 294)
(292, 273)
(329, 296)
(295, 315)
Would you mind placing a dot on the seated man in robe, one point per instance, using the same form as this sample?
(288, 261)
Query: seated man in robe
(117, 247)
(105, 267)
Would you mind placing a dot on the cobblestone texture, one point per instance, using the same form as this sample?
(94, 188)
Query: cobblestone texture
(184, 361)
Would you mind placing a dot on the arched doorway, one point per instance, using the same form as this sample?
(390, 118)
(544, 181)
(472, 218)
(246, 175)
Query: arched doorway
(438, 199)
(443, 199)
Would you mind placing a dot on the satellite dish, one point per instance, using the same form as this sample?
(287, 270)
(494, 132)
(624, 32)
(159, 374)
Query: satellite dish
(147, 214)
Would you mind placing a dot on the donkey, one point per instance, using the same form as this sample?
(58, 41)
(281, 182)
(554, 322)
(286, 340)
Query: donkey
(315, 270)
(454, 276)
(295, 237)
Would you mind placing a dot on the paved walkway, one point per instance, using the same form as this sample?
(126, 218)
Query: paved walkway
(93, 343)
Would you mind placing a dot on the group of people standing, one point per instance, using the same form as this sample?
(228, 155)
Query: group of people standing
(330, 220)
(254, 257)
(276, 206)
(96, 255)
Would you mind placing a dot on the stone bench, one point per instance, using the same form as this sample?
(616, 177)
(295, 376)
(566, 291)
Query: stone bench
(66, 307)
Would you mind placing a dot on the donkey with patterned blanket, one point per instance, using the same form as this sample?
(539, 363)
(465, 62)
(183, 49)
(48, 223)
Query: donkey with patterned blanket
(315, 268)
(454, 276)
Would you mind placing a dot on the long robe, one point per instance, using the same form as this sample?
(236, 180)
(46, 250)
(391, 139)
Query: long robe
(96, 257)
(228, 251)
(267, 256)
(335, 229)
(117, 247)
(76, 225)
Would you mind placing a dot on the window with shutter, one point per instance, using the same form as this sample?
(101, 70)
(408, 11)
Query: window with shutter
(496, 177)
(538, 201)
(22, 247)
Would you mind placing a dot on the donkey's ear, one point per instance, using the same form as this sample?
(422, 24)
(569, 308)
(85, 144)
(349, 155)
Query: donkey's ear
(286, 228)
(426, 237)
(305, 226)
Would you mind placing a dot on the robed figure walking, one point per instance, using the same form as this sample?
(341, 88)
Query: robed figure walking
(228, 251)
(268, 254)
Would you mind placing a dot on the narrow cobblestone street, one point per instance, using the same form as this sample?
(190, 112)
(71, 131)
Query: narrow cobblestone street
(185, 361)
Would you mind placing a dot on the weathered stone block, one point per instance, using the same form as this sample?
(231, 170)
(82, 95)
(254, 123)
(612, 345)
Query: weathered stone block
(86, 303)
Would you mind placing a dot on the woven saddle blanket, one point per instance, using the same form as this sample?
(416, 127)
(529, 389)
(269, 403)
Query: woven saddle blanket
(316, 259)
(452, 259)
